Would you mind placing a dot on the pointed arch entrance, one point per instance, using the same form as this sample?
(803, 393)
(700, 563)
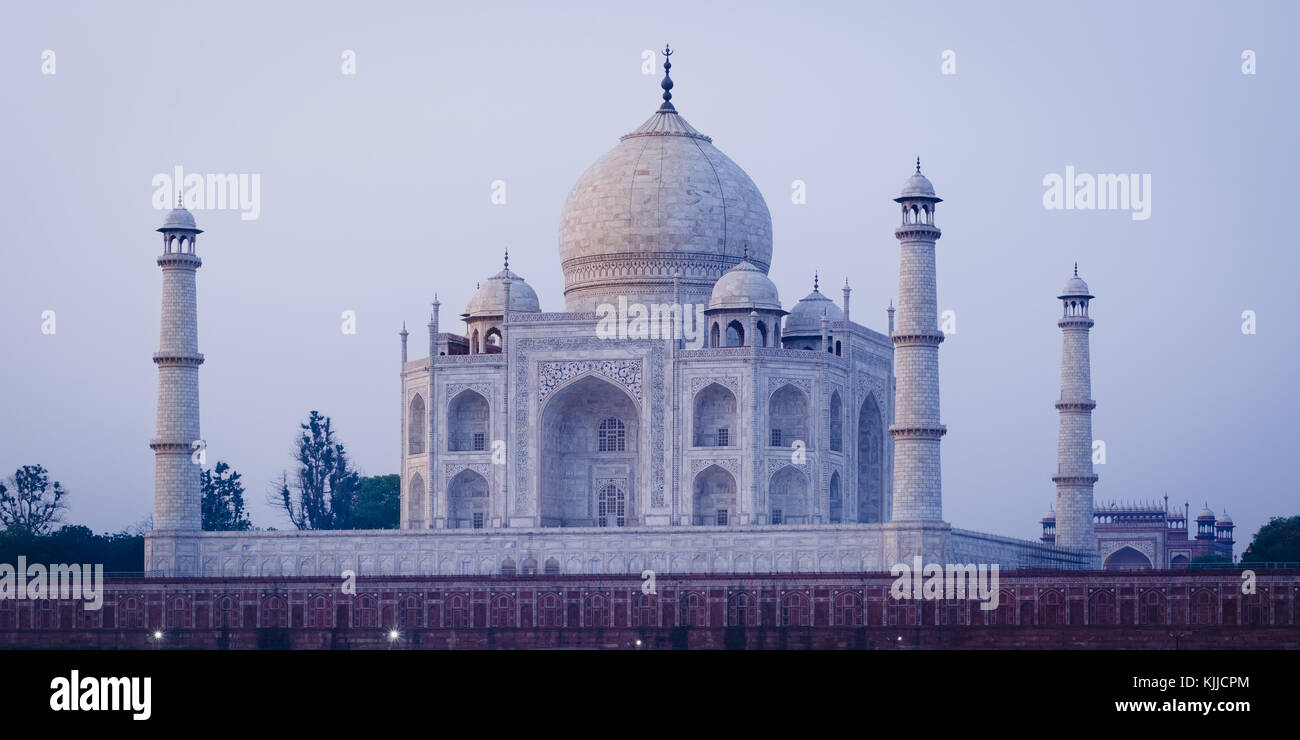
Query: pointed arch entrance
(590, 432)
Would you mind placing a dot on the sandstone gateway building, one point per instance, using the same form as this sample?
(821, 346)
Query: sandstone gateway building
(781, 441)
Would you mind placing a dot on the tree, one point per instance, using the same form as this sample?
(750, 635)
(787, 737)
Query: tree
(1275, 542)
(30, 503)
(72, 543)
(323, 494)
(378, 503)
(223, 500)
(1211, 560)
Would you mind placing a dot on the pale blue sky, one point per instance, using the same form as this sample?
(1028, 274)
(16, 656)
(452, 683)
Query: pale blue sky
(375, 194)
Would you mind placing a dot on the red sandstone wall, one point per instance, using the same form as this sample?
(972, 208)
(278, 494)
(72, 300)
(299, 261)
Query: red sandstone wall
(1056, 609)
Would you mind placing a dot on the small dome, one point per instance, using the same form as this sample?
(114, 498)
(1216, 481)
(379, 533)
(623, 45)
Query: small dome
(490, 300)
(745, 286)
(917, 186)
(806, 316)
(1225, 519)
(1075, 288)
(179, 218)
(1206, 514)
(1050, 516)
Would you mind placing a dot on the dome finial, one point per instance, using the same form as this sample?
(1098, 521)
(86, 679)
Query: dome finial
(745, 253)
(1076, 269)
(918, 165)
(667, 83)
(507, 258)
(815, 282)
(180, 198)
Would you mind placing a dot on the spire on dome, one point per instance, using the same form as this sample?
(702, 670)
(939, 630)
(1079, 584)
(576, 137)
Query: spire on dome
(667, 83)
(1076, 269)
(918, 165)
(507, 265)
(815, 286)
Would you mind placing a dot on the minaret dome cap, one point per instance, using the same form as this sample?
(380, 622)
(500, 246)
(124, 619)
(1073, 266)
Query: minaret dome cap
(918, 187)
(1075, 288)
(179, 219)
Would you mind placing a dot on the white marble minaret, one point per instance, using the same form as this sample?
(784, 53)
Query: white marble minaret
(1074, 477)
(176, 503)
(916, 428)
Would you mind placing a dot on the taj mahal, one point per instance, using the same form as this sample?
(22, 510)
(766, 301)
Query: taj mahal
(755, 437)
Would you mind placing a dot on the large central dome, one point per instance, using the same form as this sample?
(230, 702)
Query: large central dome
(664, 201)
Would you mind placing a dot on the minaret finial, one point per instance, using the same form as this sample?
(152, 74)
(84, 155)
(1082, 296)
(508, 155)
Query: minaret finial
(815, 286)
(1076, 269)
(180, 198)
(507, 258)
(918, 165)
(745, 253)
(667, 83)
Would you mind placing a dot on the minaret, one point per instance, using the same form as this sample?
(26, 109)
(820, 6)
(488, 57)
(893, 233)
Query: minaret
(177, 496)
(916, 429)
(1074, 477)
(432, 498)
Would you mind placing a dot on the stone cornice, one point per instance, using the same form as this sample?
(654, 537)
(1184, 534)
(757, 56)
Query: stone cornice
(1076, 405)
(1075, 480)
(179, 259)
(1080, 322)
(918, 431)
(932, 337)
(920, 231)
(177, 358)
(484, 359)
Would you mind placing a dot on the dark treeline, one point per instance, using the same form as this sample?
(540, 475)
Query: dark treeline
(119, 553)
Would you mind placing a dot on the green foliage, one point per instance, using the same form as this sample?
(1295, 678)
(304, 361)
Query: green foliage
(121, 552)
(223, 500)
(1275, 542)
(29, 503)
(323, 495)
(378, 503)
(1211, 560)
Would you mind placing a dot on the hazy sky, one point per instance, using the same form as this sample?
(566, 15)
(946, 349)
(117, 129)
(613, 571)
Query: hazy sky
(375, 193)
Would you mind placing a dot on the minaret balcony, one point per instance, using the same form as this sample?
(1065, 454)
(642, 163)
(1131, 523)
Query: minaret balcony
(932, 337)
(177, 358)
(1088, 405)
(928, 232)
(1075, 480)
(179, 259)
